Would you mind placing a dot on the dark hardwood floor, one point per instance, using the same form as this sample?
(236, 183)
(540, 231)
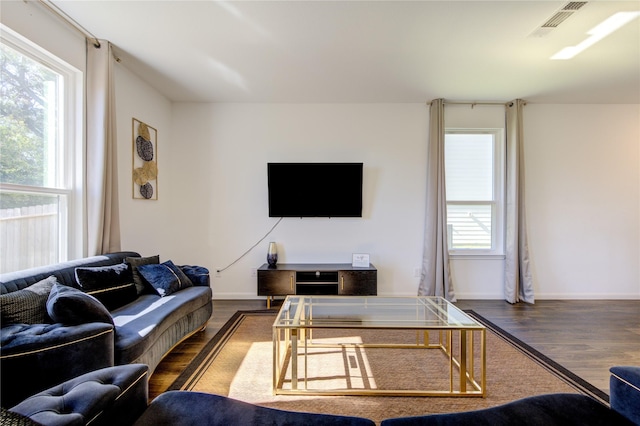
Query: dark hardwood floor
(585, 336)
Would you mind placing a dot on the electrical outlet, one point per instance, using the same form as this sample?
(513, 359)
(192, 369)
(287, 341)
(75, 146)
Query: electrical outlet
(254, 272)
(218, 272)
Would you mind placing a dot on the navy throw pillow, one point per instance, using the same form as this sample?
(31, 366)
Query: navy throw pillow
(70, 306)
(112, 285)
(199, 275)
(166, 278)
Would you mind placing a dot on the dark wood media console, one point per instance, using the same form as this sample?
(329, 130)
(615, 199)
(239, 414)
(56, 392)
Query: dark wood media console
(316, 279)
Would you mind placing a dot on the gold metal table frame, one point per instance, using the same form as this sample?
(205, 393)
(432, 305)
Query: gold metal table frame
(438, 325)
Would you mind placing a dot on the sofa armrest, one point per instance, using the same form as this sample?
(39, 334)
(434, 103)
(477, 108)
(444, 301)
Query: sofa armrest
(624, 389)
(50, 354)
(110, 396)
(199, 275)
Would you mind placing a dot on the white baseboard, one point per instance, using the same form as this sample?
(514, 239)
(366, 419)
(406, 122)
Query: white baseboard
(468, 296)
(237, 296)
(586, 296)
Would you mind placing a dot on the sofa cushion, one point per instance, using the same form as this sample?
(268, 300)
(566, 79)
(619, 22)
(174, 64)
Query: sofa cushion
(71, 306)
(112, 285)
(139, 325)
(166, 277)
(135, 262)
(27, 306)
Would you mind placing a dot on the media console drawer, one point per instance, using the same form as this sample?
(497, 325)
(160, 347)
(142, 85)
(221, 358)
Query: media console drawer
(316, 276)
(316, 279)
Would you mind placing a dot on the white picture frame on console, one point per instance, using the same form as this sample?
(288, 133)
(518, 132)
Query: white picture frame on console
(360, 260)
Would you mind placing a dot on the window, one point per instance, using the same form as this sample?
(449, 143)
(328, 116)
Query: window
(474, 161)
(38, 137)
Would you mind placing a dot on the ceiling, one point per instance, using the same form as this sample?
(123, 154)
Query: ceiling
(367, 51)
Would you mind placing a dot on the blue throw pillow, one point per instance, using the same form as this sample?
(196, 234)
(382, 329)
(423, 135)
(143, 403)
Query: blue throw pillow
(112, 285)
(166, 278)
(199, 275)
(70, 306)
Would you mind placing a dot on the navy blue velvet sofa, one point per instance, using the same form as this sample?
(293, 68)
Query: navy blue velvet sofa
(118, 396)
(130, 323)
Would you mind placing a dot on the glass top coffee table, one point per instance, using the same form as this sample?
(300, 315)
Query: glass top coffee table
(371, 345)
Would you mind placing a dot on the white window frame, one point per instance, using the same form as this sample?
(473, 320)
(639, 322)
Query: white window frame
(69, 181)
(497, 204)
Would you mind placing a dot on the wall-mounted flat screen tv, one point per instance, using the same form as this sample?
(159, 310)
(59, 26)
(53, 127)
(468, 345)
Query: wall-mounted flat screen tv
(315, 189)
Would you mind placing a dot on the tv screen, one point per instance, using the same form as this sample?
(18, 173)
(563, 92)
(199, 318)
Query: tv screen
(315, 189)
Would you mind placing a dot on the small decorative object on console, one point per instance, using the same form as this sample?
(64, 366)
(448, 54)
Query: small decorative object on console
(360, 260)
(272, 254)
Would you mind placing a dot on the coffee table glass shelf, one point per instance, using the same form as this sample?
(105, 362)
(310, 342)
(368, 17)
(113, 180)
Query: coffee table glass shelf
(358, 345)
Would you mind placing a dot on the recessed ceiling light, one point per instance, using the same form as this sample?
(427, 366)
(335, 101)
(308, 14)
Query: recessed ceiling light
(600, 31)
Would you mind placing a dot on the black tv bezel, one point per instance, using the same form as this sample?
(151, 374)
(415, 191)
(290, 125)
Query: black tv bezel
(355, 212)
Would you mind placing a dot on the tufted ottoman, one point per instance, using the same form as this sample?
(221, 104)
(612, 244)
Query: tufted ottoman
(110, 396)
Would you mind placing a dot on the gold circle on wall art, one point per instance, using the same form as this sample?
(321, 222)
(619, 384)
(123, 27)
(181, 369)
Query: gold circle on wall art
(151, 169)
(139, 176)
(143, 131)
(148, 171)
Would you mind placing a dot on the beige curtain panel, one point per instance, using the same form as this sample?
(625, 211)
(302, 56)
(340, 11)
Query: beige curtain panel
(101, 168)
(518, 280)
(435, 278)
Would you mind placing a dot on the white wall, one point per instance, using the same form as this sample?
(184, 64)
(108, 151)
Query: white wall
(582, 193)
(582, 177)
(220, 161)
(143, 222)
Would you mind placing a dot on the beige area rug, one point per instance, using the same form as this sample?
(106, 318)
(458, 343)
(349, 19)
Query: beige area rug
(238, 363)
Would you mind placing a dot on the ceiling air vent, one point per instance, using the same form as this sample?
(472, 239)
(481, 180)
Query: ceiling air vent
(574, 5)
(558, 18)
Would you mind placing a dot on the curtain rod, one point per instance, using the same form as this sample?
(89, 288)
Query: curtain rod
(53, 8)
(474, 103)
